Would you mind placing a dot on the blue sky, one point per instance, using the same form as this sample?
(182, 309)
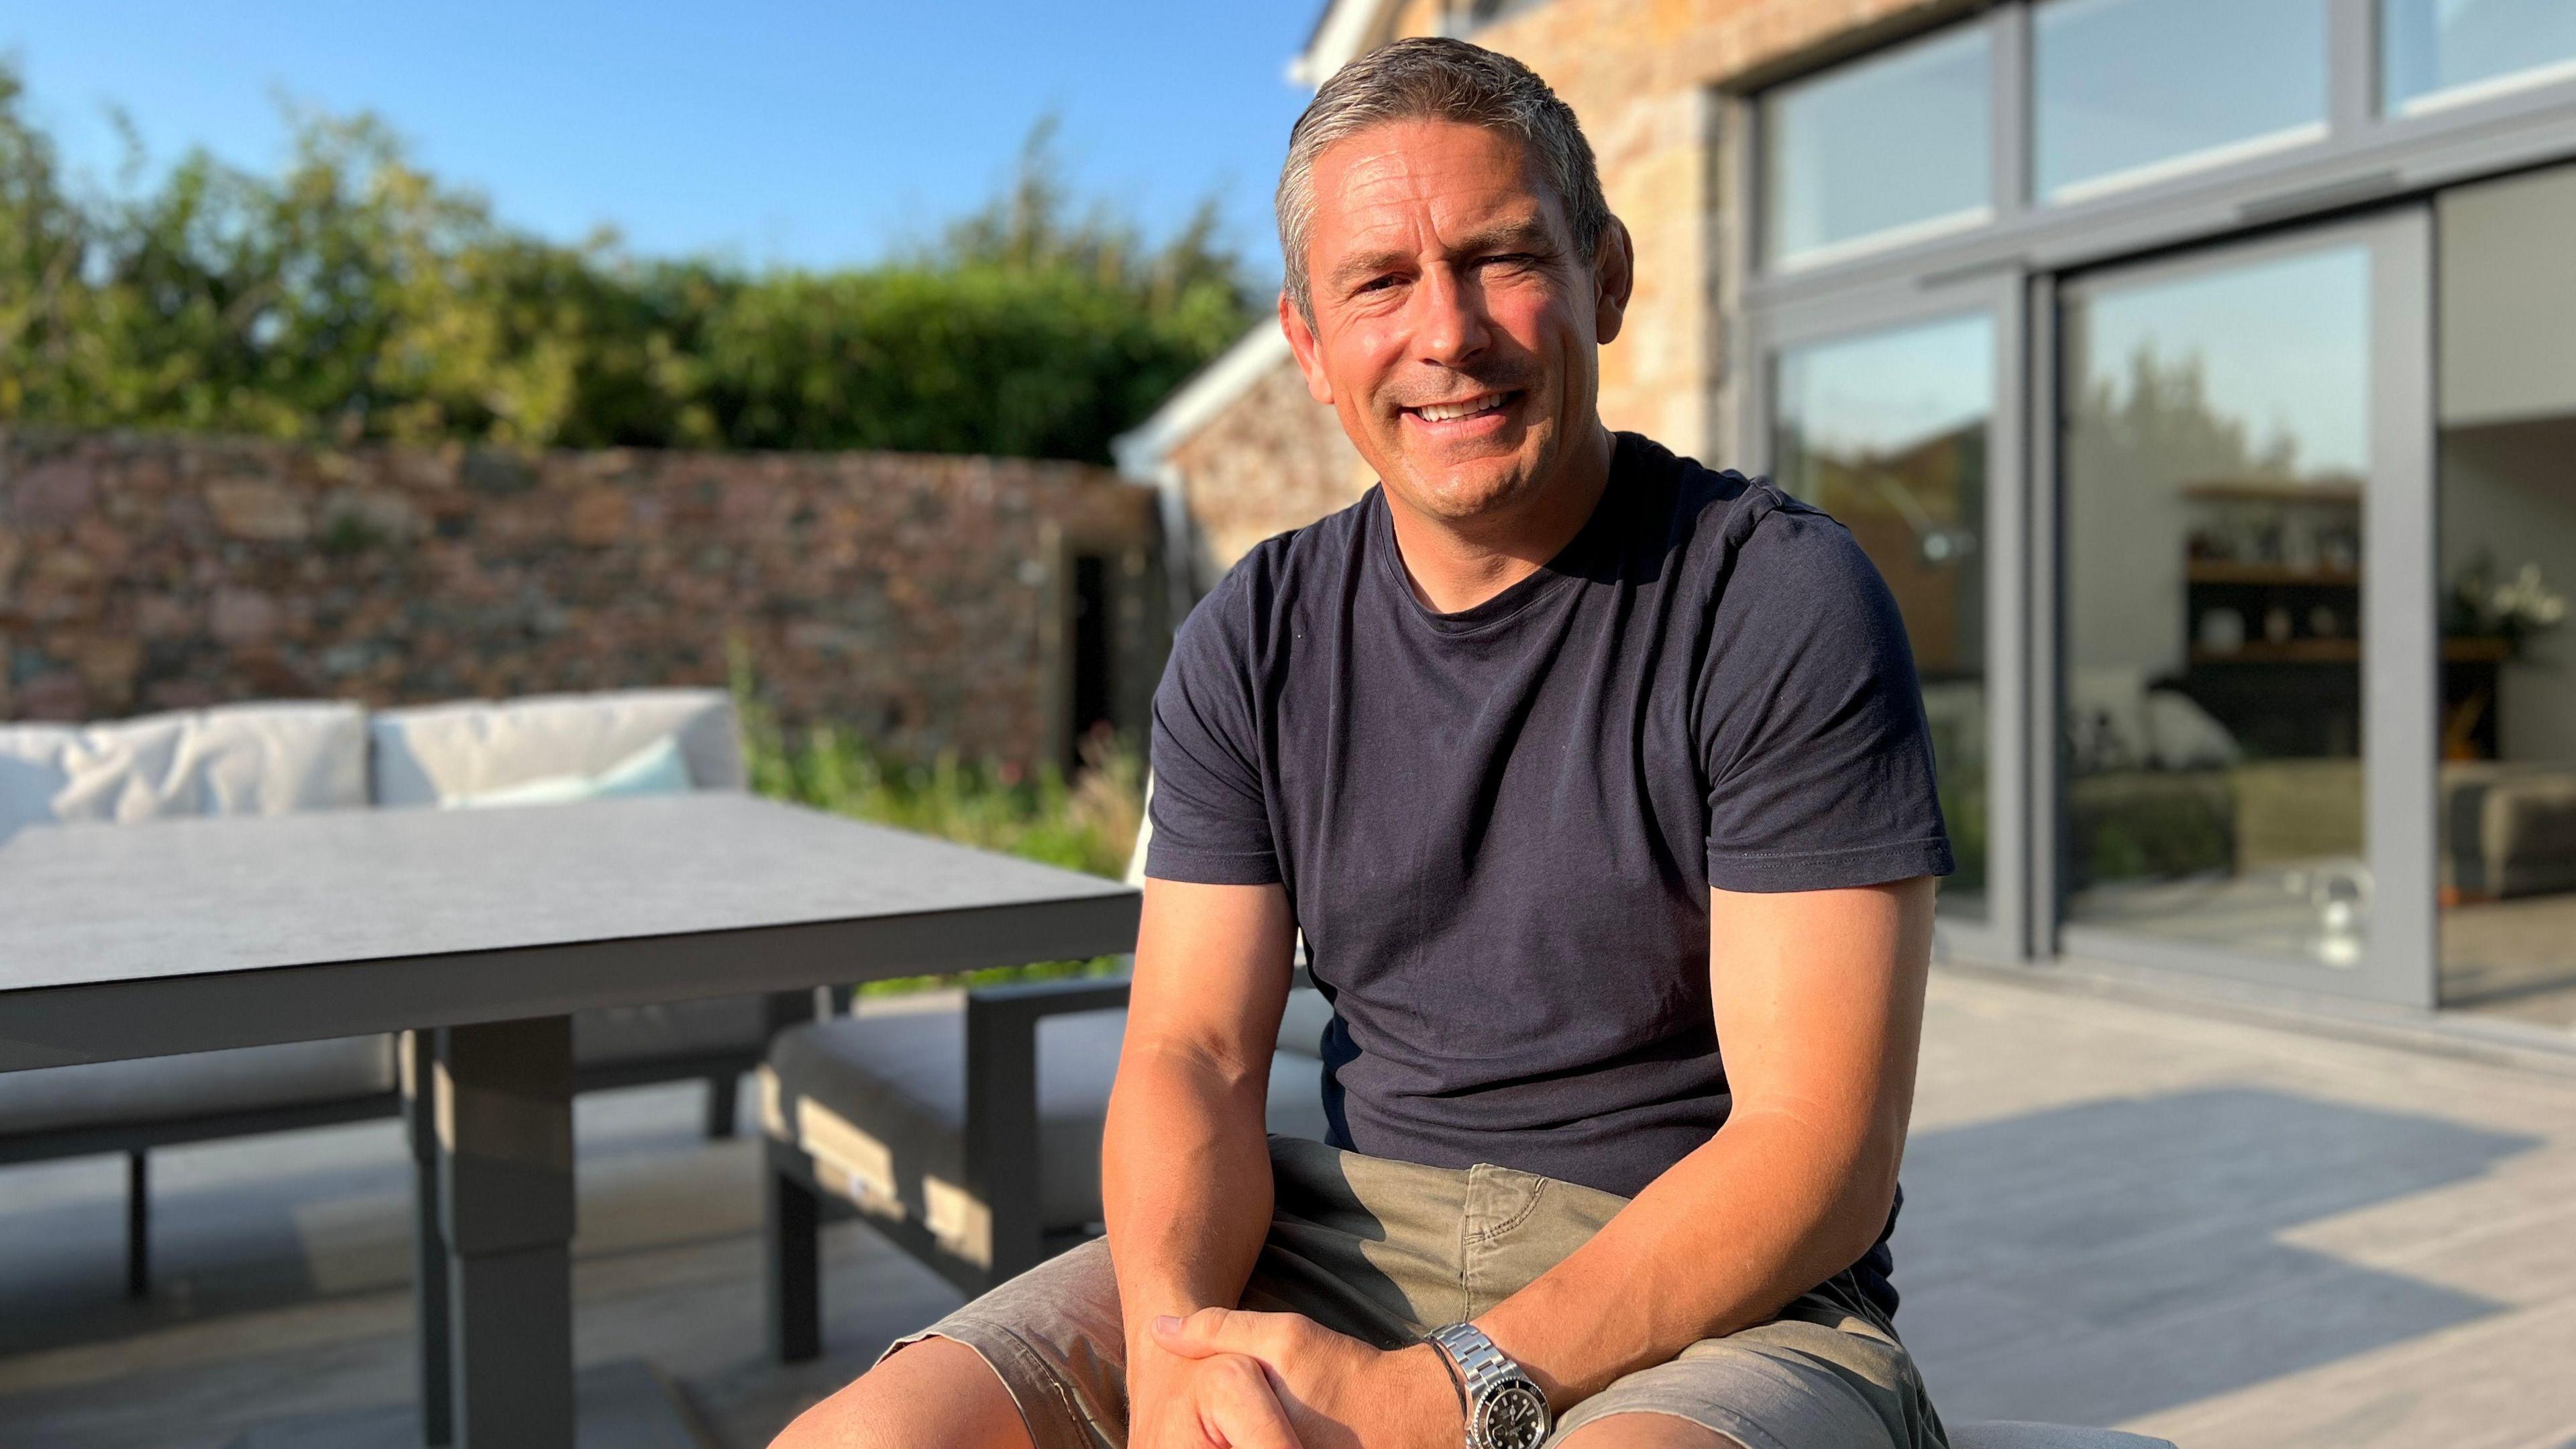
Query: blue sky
(766, 132)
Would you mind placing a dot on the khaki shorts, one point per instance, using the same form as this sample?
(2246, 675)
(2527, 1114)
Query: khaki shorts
(1385, 1251)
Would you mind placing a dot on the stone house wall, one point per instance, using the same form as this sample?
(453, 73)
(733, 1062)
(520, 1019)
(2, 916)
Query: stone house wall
(921, 600)
(1644, 77)
(1274, 459)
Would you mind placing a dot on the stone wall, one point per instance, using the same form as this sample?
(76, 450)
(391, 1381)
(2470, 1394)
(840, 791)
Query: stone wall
(922, 600)
(1274, 459)
(1643, 76)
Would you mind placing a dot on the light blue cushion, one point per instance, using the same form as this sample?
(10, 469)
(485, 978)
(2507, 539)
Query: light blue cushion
(468, 747)
(657, 769)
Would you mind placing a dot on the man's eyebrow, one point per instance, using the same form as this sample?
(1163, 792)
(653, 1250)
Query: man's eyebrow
(1524, 235)
(1368, 264)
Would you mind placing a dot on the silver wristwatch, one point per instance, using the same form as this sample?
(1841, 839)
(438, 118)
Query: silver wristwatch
(1504, 1409)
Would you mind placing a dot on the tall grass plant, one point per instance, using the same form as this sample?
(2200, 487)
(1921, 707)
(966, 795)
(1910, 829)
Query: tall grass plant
(1086, 822)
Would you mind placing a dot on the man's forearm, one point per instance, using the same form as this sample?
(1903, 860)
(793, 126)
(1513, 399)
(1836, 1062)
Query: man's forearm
(1185, 1182)
(1725, 1238)
(1819, 997)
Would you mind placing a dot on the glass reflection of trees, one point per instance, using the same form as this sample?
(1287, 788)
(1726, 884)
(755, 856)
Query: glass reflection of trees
(2211, 453)
(1917, 505)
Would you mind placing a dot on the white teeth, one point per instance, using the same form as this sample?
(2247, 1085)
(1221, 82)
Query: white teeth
(1443, 412)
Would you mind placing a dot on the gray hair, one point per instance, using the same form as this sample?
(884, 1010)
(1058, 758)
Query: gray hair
(1447, 80)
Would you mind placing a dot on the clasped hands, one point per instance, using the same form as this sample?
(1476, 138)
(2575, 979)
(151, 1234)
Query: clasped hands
(1227, 1378)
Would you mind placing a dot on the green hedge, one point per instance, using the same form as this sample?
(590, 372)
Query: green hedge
(354, 296)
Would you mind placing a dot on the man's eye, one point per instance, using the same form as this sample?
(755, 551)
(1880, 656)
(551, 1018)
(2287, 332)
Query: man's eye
(1376, 284)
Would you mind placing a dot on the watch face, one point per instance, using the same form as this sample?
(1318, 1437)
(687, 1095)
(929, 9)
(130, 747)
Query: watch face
(1513, 1416)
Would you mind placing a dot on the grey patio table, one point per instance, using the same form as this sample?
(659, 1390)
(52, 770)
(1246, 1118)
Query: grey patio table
(491, 926)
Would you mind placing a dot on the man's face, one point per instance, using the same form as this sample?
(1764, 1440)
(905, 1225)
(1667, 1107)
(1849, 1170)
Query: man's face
(1455, 330)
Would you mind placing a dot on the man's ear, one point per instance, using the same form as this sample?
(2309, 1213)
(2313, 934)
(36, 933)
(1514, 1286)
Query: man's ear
(1310, 356)
(1614, 277)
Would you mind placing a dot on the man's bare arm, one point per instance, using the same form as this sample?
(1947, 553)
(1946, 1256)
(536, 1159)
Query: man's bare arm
(1819, 1004)
(1185, 1166)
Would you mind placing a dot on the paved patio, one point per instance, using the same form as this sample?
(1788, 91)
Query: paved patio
(2222, 1232)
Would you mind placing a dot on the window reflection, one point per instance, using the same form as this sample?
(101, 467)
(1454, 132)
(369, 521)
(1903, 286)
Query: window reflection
(2447, 52)
(2216, 440)
(2506, 826)
(2130, 91)
(1477, 14)
(1888, 433)
(1881, 150)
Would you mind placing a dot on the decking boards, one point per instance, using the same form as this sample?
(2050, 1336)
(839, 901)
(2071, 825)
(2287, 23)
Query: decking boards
(2235, 1236)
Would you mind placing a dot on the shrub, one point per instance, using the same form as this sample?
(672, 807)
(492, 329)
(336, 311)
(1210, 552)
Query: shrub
(1088, 823)
(356, 296)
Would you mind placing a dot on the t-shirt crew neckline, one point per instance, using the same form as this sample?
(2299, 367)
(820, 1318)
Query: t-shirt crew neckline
(1558, 572)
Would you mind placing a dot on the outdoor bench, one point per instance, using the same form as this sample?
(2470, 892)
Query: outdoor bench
(965, 1127)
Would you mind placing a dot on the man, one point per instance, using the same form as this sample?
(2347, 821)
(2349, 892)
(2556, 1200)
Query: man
(1572, 759)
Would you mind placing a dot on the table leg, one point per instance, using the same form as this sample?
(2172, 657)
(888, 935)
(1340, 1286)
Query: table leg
(505, 1179)
(429, 1238)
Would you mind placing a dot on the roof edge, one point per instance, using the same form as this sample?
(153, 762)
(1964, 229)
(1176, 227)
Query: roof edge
(1141, 449)
(1341, 32)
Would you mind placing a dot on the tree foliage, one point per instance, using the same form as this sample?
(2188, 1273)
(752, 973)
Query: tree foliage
(355, 296)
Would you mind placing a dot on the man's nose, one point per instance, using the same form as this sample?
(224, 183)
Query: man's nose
(1450, 326)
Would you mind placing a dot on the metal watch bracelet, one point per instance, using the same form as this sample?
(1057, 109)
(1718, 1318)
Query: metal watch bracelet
(1505, 1409)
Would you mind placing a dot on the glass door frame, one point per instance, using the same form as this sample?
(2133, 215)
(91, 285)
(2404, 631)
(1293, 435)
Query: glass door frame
(1855, 314)
(2400, 667)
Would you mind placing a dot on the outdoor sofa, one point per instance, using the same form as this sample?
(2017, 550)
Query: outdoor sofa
(271, 758)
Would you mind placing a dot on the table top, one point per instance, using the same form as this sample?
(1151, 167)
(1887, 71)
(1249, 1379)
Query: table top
(182, 935)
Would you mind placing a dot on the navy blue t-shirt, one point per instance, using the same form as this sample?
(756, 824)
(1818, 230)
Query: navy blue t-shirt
(1498, 828)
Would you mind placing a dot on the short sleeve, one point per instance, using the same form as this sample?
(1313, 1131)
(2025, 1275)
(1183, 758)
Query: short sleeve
(1811, 729)
(1210, 815)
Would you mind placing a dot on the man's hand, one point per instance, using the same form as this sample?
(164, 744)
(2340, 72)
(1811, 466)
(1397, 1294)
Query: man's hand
(1219, 1401)
(1185, 1161)
(1339, 1393)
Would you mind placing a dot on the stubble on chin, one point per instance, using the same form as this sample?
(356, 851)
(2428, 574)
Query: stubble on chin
(1481, 496)
(1486, 488)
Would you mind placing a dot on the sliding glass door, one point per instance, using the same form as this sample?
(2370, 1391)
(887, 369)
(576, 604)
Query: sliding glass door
(2246, 674)
(1900, 419)
(2183, 698)
(2505, 772)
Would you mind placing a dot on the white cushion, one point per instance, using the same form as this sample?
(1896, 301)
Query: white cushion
(656, 769)
(2107, 713)
(2045, 1436)
(201, 1084)
(475, 747)
(610, 1035)
(1296, 1106)
(1301, 1026)
(1144, 835)
(892, 1080)
(245, 759)
(2186, 737)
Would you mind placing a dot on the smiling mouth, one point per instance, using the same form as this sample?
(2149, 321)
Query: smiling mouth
(1450, 412)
